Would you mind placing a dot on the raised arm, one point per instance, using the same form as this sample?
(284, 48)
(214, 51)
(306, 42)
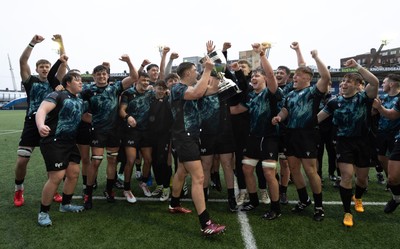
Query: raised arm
(300, 59)
(227, 73)
(373, 83)
(25, 70)
(51, 76)
(144, 64)
(58, 39)
(133, 74)
(172, 57)
(272, 84)
(210, 46)
(162, 63)
(200, 88)
(62, 69)
(323, 82)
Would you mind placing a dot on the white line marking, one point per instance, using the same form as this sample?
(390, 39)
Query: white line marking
(330, 203)
(247, 233)
(5, 132)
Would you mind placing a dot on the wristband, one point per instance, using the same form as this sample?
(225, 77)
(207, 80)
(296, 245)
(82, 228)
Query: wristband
(262, 53)
(359, 67)
(142, 65)
(31, 45)
(126, 117)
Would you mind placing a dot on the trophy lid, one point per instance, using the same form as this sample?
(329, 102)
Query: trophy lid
(219, 61)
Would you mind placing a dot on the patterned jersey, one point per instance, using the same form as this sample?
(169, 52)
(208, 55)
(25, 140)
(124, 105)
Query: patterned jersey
(185, 112)
(36, 90)
(286, 89)
(209, 114)
(302, 106)
(385, 124)
(396, 107)
(263, 106)
(351, 116)
(65, 118)
(138, 106)
(103, 104)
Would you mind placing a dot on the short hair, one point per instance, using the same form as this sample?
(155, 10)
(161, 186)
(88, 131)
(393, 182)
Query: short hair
(394, 77)
(42, 61)
(306, 70)
(162, 84)
(284, 68)
(143, 74)
(171, 76)
(149, 67)
(183, 67)
(258, 70)
(74, 71)
(69, 77)
(242, 61)
(100, 68)
(356, 77)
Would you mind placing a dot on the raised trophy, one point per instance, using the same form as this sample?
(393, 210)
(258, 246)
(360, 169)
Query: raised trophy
(266, 46)
(226, 87)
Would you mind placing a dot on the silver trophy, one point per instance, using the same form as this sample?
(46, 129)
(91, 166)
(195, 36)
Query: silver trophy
(226, 87)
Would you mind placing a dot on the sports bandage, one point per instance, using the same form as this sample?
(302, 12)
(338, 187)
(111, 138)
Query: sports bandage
(112, 154)
(24, 152)
(97, 158)
(251, 162)
(270, 165)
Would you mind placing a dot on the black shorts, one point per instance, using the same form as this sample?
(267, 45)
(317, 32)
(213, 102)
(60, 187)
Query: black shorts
(385, 142)
(354, 150)
(262, 148)
(395, 155)
(30, 136)
(187, 148)
(302, 143)
(57, 155)
(83, 135)
(137, 139)
(101, 139)
(216, 144)
(282, 138)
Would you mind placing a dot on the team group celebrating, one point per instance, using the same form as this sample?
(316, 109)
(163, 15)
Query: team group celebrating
(158, 117)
